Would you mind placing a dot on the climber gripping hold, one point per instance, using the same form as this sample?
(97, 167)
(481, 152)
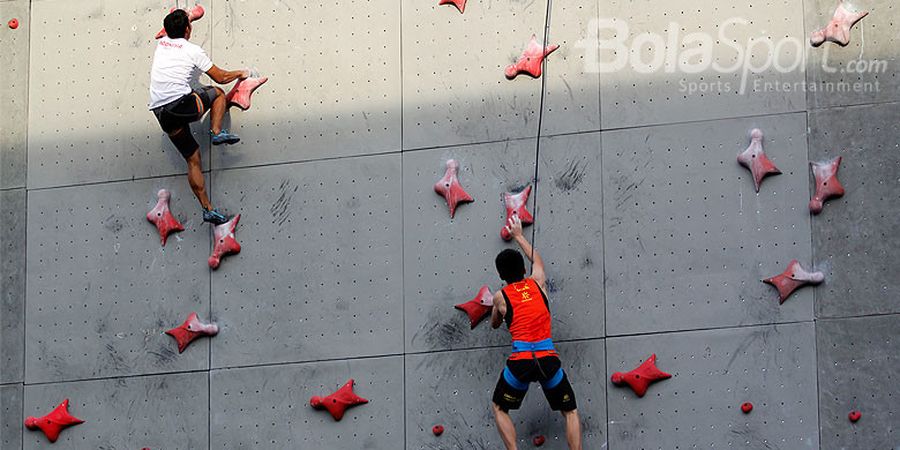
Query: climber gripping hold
(524, 306)
(176, 104)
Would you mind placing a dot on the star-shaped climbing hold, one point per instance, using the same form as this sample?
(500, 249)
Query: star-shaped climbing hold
(641, 378)
(162, 217)
(225, 243)
(838, 30)
(191, 329)
(195, 13)
(515, 206)
(459, 4)
(52, 424)
(450, 189)
(479, 307)
(240, 93)
(338, 402)
(827, 184)
(531, 60)
(793, 278)
(755, 159)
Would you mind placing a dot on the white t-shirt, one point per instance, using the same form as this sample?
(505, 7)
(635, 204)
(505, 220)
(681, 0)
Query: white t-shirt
(174, 65)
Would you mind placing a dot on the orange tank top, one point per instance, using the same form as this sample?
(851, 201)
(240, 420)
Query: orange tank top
(527, 316)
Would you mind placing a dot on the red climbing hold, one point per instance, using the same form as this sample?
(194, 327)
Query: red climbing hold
(531, 60)
(225, 244)
(827, 184)
(450, 189)
(195, 13)
(516, 206)
(437, 430)
(854, 416)
(755, 159)
(641, 378)
(479, 307)
(52, 424)
(793, 278)
(747, 407)
(538, 440)
(240, 93)
(838, 30)
(162, 217)
(191, 329)
(13, 23)
(338, 402)
(459, 4)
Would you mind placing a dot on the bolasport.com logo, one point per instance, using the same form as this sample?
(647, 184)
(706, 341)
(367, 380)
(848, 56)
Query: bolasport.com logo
(738, 49)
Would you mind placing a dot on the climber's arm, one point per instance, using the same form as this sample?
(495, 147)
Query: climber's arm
(498, 311)
(226, 76)
(537, 263)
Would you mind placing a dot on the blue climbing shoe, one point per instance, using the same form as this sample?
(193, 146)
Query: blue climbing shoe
(214, 217)
(224, 137)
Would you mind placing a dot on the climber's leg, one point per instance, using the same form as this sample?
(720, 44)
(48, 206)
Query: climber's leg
(505, 426)
(196, 180)
(217, 111)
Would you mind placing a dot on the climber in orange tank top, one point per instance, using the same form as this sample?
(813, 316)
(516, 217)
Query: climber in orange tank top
(524, 306)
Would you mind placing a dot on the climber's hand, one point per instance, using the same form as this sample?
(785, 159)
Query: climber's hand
(514, 226)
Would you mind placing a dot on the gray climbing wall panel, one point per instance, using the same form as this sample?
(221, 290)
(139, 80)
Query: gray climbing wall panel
(101, 290)
(268, 407)
(14, 93)
(651, 84)
(157, 412)
(12, 285)
(687, 238)
(569, 233)
(864, 71)
(454, 90)
(95, 126)
(854, 231)
(338, 242)
(713, 373)
(857, 371)
(571, 92)
(335, 78)
(11, 416)
(450, 390)
(446, 261)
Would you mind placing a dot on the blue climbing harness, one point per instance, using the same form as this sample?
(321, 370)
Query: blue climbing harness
(539, 346)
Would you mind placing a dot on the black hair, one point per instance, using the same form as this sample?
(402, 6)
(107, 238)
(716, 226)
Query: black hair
(510, 266)
(176, 24)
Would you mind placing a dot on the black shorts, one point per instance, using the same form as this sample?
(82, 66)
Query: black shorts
(526, 371)
(175, 117)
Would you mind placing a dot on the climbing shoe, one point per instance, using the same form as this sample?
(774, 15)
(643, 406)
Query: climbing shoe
(224, 137)
(214, 217)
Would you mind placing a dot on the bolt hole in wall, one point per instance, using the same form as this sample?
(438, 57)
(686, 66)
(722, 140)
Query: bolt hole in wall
(679, 228)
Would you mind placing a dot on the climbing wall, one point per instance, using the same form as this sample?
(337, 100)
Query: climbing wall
(654, 237)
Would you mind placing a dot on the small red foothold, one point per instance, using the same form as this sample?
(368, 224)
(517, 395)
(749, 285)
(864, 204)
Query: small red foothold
(640, 379)
(827, 184)
(195, 13)
(747, 407)
(460, 4)
(450, 189)
(538, 440)
(52, 424)
(13, 23)
(437, 430)
(240, 93)
(191, 329)
(531, 60)
(755, 159)
(854, 416)
(838, 30)
(793, 278)
(516, 206)
(225, 243)
(338, 402)
(162, 217)
(479, 307)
